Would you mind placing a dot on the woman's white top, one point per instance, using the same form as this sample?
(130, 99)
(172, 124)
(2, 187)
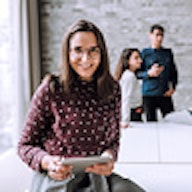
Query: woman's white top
(131, 95)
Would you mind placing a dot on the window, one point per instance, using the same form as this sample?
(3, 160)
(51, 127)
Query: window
(19, 65)
(7, 69)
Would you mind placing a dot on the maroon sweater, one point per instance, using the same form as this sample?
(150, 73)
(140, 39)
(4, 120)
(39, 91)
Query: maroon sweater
(75, 125)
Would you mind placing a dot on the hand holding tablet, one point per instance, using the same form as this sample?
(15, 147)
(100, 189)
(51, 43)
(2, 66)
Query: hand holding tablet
(80, 163)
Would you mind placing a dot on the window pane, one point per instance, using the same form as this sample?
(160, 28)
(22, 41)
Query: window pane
(7, 102)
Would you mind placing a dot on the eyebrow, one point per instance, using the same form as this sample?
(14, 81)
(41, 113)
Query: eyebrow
(77, 47)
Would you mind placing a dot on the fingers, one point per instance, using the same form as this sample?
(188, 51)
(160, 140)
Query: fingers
(158, 70)
(48, 160)
(155, 65)
(155, 71)
(56, 175)
(57, 171)
(60, 172)
(125, 126)
(101, 169)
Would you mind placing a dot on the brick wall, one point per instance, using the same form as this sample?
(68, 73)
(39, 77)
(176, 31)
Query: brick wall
(125, 23)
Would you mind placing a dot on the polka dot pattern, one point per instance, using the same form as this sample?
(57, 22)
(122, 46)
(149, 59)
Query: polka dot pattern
(75, 125)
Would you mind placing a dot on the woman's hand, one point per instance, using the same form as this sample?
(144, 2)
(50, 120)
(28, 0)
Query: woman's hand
(101, 169)
(55, 169)
(125, 125)
(155, 70)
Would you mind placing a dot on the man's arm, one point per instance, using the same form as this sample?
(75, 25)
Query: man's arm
(173, 78)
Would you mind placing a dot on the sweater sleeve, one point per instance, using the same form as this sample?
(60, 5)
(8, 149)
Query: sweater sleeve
(115, 125)
(30, 146)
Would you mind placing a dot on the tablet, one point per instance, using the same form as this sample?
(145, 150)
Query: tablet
(80, 163)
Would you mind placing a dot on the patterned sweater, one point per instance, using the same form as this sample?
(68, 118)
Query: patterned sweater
(69, 126)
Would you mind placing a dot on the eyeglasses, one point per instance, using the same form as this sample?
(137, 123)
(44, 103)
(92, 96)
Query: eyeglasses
(93, 52)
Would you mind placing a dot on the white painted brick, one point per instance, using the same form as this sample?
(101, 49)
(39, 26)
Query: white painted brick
(125, 23)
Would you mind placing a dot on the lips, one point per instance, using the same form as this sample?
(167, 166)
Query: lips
(86, 67)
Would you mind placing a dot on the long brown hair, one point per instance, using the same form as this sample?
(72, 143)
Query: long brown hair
(102, 75)
(123, 63)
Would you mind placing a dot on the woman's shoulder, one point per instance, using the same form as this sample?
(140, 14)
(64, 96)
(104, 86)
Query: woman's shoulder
(50, 77)
(51, 81)
(127, 74)
(48, 86)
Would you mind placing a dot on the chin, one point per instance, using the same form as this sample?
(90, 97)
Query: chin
(85, 77)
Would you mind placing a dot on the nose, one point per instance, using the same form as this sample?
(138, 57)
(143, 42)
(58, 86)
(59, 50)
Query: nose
(85, 57)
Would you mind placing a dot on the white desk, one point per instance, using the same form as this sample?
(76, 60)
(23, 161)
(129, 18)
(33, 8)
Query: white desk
(157, 156)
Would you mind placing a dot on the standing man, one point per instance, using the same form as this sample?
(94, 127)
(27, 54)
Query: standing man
(159, 75)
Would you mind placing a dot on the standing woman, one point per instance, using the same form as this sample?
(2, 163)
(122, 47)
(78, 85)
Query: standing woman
(75, 114)
(129, 62)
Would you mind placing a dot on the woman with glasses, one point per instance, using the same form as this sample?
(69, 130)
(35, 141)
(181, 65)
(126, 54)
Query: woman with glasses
(75, 114)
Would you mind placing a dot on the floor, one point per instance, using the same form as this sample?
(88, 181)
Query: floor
(157, 156)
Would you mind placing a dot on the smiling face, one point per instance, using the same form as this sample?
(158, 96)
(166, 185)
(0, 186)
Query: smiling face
(84, 55)
(134, 61)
